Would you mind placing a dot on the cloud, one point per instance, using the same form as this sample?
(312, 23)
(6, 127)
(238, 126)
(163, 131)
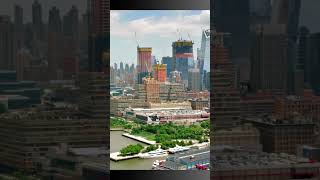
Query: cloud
(163, 26)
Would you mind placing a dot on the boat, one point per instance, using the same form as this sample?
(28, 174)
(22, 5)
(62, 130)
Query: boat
(178, 149)
(154, 154)
(157, 163)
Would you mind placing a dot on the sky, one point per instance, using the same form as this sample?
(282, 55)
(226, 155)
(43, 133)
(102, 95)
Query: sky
(6, 7)
(153, 28)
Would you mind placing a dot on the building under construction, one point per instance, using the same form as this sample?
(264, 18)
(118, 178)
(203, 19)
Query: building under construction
(160, 72)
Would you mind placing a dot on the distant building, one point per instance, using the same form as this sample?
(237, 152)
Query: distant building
(6, 44)
(152, 89)
(99, 38)
(169, 62)
(182, 53)
(194, 80)
(199, 104)
(160, 72)
(144, 63)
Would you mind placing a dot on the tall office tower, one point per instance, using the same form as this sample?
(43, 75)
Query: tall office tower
(237, 12)
(115, 66)
(71, 23)
(37, 20)
(299, 70)
(70, 43)
(18, 31)
(6, 43)
(55, 44)
(160, 72)
(194, 79)
(269, 58)
(288, 12)
(144, 62)
(312, 64)
(99, 38)
(225, 98)
(169, 62)
(182, 53)
(132, 68)
(204, 57)
(126, 69)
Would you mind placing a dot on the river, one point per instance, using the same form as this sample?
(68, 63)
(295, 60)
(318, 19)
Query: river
(117, 142)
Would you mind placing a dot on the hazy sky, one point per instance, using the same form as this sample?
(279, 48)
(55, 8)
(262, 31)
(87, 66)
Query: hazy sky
(153, 28)
(6, 7)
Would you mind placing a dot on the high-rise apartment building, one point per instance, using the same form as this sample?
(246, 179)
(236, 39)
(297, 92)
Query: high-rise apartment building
(144, 62)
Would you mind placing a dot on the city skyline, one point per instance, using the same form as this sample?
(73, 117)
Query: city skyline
(156, 29)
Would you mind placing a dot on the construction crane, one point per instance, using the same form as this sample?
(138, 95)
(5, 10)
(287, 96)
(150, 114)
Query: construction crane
(136, 39)
(148, 70)
(189, 37)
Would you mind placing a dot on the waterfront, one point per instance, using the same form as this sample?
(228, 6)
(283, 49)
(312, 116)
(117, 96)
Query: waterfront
(117, 141)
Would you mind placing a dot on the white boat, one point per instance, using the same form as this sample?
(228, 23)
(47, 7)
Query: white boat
(178, 149)
(154, 154)
(157, 163)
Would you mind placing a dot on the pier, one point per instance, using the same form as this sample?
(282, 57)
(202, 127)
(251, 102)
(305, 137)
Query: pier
(138, 138)
(115, 156)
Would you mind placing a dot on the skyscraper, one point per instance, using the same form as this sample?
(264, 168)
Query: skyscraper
(55, 44)
(144, 62)
(6, 43)
(37, 20)
(99, 38)
(288, 12)
(169, 62)
(182, 53)
(233, 16)
(194, 79)
(204, 57)
(18, 31)
(269, 58)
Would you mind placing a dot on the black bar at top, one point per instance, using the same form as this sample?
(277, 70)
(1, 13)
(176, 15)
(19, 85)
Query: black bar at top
(160, 4)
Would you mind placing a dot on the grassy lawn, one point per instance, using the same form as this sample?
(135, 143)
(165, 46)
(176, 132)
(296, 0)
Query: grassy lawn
(146, 135)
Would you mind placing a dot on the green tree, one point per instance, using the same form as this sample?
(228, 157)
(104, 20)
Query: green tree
(131, 150)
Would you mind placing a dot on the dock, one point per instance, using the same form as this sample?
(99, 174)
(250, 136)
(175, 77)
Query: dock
(138, 138)
(115, 156)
